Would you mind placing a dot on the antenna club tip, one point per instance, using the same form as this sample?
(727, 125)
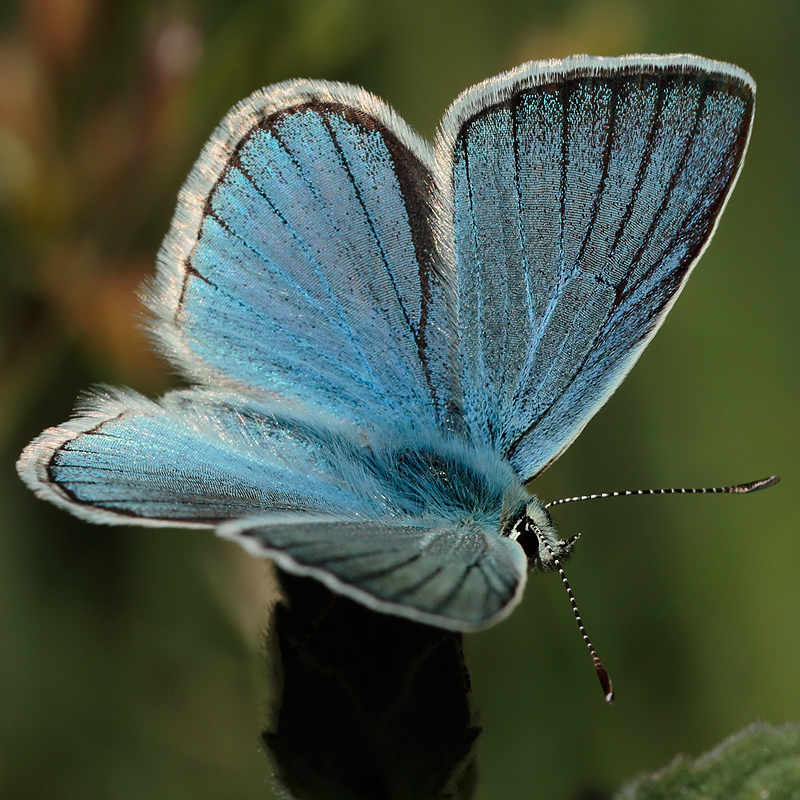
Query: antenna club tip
(605, 682)
(764, 483)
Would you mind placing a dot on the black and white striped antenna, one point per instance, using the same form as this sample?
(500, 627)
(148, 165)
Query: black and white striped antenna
(602, 675)
(739, 488)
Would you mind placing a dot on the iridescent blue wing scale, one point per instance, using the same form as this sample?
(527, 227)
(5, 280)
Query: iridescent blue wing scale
(456, 577)
(582, 194)
(301, 266)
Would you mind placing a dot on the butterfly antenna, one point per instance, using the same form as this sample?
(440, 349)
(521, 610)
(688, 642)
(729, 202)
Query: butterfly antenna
(739, 488)
(605, 681)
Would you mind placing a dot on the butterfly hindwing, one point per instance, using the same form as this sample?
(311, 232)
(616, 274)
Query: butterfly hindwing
(308, 497)
(192, 459)
(461, 578)
(583, 192)
(301, 264)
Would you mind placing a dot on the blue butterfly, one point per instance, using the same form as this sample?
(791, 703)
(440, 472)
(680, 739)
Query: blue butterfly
(387, 339)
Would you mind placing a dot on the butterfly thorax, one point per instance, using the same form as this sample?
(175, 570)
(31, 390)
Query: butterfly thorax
(456, 481)
(532, 528)
(447, 478)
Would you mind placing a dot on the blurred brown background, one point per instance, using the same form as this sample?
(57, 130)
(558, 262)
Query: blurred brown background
(129, 659)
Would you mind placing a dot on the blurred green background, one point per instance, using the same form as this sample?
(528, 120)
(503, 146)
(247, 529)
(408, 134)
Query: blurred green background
(130, 660)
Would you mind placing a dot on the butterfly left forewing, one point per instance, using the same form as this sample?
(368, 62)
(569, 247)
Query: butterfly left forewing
(578, 195)
(300, 264)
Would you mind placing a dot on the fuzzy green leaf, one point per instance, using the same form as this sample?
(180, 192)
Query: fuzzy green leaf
(758, 763)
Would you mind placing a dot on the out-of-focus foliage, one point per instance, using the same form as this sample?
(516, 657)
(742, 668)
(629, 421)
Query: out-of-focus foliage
(130, 663)
(759, 762)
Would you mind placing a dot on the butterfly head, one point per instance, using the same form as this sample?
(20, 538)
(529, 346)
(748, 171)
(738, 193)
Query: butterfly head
(531, 526)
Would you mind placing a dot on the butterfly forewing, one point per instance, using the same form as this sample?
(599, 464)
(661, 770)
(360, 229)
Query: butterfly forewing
(301, 262)
(583, 192)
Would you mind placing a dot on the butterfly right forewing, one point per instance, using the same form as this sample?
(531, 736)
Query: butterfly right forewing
(575, 231)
